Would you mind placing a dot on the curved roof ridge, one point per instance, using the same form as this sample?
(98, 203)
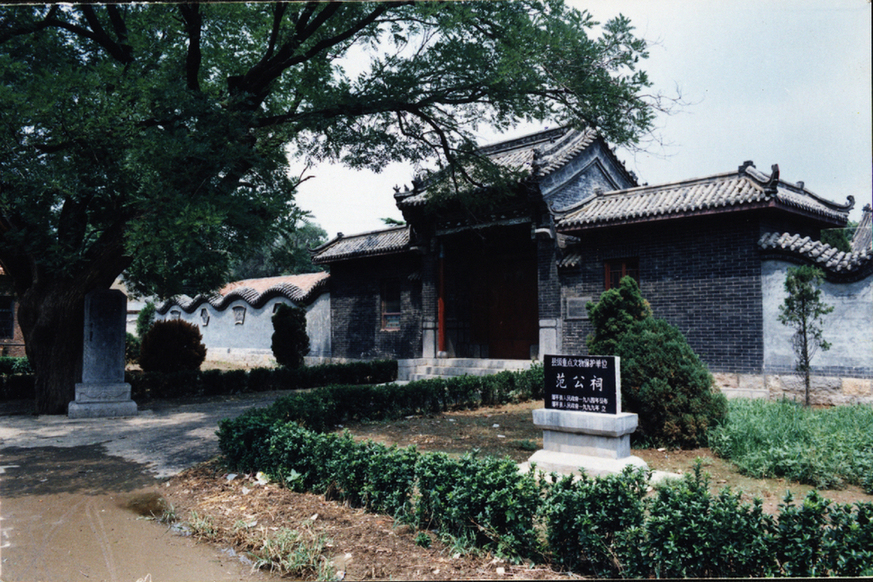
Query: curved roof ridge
(837, 264)
(747, 187)
(251, 296)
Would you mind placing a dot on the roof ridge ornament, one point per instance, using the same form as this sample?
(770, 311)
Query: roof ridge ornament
(742, 169)
(773, 182)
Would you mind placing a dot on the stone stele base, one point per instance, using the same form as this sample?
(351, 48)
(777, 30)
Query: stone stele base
(599, 444)
(102, 401)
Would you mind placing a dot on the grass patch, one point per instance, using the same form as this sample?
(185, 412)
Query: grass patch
(826, 448)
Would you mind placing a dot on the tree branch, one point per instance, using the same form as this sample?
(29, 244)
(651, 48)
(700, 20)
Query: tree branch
(193, 27)
(122, 53)
(30, 27)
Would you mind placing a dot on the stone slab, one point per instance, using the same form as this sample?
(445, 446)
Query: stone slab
(113, 392)
(590, 423)
(105, 326)
(604, 447)
(568, 463)
(101, 409)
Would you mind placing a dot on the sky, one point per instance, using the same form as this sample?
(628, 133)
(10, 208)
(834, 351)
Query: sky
(784, 82)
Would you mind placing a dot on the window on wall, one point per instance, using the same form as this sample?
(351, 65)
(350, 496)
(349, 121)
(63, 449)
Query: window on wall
(7, 318)
(617, 269)
(391, 304)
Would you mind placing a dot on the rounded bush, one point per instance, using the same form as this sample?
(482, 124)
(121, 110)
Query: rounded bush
(289, 342)
(666, 384)
(172, 346)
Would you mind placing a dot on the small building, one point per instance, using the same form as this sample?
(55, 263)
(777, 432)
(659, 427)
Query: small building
(237, 323)
(512, 283)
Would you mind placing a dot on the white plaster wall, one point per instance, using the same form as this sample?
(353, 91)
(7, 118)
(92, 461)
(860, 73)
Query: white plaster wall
(318, 327)
(227, 340)
(849, 328)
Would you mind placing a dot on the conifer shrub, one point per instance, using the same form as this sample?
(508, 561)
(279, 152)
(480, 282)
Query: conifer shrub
(667, 385)
(614, 314)
(290, 343)
(172, 346)
(662, 379)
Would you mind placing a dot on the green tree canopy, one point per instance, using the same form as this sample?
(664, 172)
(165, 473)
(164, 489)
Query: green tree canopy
(153, 139)
(287, 255)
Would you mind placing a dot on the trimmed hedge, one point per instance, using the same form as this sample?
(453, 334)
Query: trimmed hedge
(150, 385)
(603, 527)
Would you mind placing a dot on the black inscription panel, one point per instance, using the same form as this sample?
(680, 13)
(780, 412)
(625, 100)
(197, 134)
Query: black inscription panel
(583, 383)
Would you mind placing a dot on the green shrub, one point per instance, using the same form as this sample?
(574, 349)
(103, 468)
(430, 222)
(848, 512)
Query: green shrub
(144, 319)
(152, 385)
(688, 532)
(14, 366)
(171, 346)
(662, 379)
(584, 516)
(666, 384)
(613, 315)
(289, 341)
(604, 526)
(484, 502)
(132, 345)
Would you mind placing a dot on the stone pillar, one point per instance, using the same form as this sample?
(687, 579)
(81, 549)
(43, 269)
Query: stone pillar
(103, 391)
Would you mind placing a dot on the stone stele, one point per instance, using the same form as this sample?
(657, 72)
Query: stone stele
(103, 391)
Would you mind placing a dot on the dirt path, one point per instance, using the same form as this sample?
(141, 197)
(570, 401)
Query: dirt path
(75, 514)
(74, 495)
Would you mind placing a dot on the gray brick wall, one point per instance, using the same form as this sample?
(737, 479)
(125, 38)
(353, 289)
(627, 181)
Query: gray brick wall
(356, 308)
(701, 275)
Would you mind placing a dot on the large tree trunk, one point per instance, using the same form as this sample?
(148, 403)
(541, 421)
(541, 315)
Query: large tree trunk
(52, 322)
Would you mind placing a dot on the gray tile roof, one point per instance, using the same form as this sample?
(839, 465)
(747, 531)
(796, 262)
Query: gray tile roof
(831, 260)
(537, 155)
(747, 187)
(380, 242)
(301, 289)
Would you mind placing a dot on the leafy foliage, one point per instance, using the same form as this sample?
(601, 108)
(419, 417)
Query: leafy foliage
(145, 318)
(585, 517)
(289, 342)
(172, 346)
(287, 255)
(840, 238)
(13, 366)
(132, 346)
(803, 310)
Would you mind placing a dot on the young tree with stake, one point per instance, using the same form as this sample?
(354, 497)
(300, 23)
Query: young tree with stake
(803, 311)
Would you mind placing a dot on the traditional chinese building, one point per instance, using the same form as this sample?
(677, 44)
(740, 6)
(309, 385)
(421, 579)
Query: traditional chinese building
(512, 284)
